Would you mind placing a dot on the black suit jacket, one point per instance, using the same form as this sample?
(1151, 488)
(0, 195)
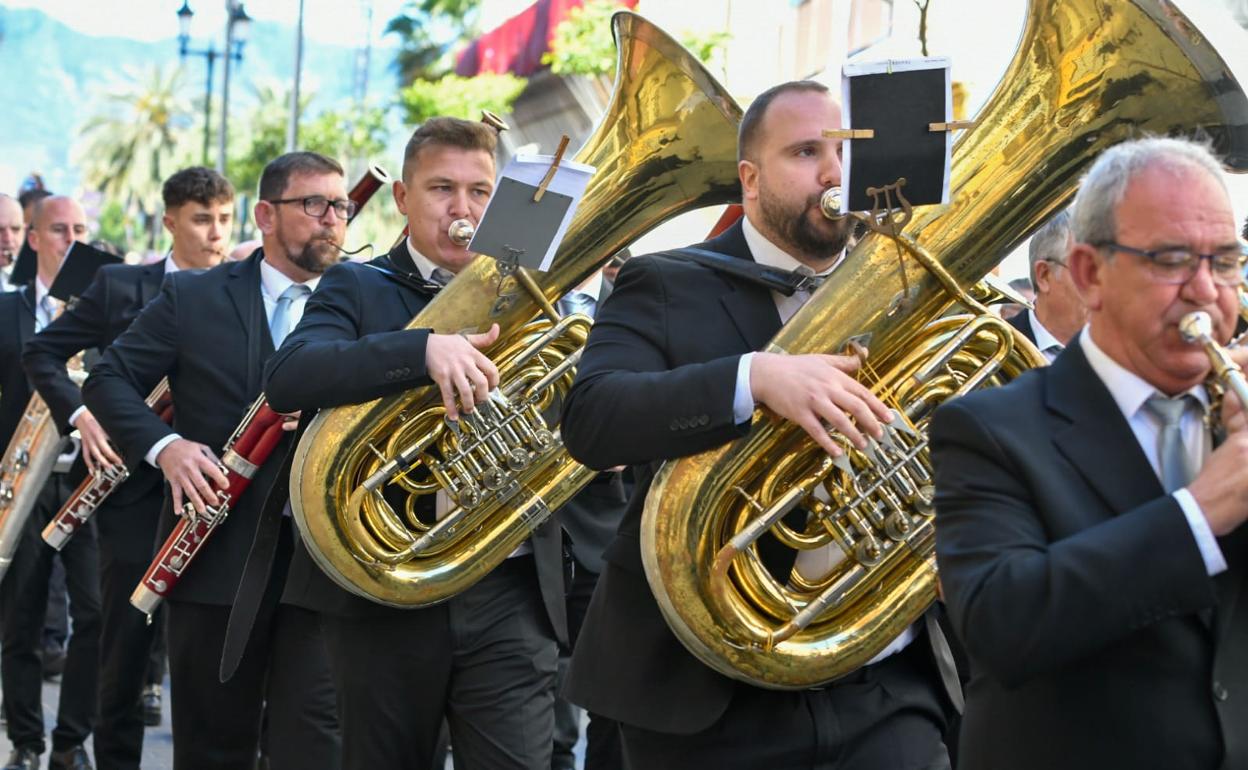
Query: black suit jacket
(350, 347)
(1096, 637)
(656, 383)
(209, 333)
(17, 325)
(1022, 321)
(99, 316)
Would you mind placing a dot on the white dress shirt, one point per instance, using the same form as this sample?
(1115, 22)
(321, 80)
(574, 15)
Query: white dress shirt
(1049, 345)
(272, 283)
(812, 564)
(6, 275)
(1130, 392)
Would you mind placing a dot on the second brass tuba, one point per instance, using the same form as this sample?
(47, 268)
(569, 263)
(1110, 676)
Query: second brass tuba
(666, 144)
(1087, 74)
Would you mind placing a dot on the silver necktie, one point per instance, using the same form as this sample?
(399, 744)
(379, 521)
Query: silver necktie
(279, 324)
(1176, 466)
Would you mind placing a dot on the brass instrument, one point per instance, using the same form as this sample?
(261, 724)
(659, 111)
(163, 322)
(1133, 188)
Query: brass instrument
(666, 144)
(1197, 328)
(28, 462)
(1086, 76)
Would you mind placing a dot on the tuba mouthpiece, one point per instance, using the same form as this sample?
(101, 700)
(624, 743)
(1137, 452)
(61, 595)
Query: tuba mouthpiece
(830, 203)
(461, 231)
(1196, 327)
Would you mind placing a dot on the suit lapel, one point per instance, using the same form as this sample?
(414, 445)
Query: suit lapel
(751, 307)
(243, 287)
(1113, 463)
(401, 260)
(150, 281)
(26, 314)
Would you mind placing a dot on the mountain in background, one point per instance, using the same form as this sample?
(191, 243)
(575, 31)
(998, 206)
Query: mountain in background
(51, 77)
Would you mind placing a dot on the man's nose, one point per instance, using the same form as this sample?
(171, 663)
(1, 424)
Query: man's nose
(830, 170)
(1201, 289)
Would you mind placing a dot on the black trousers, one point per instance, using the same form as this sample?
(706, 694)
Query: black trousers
(23, 608)
(127, 540)
(602, 736)
(283, 675)
(485, 660)
(889, 715)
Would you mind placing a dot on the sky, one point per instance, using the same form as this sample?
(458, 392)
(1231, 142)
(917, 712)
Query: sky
(331, 21)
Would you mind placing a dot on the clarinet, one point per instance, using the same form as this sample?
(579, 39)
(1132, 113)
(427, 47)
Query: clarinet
(96, 488)
(252, 443)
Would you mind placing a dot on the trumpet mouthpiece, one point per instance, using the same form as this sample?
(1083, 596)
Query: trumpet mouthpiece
(830, 203)
(1196, 326)
(461, 231)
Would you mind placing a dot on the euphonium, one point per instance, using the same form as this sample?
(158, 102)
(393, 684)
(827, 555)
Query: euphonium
(666, 144)
(1086, 75)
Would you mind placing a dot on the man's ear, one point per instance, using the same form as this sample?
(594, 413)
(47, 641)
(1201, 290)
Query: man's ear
(167, 221)
(1087, 270)
(748, 172)
(400, 196)
(266, 216)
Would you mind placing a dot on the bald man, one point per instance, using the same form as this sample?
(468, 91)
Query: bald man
(12, 231)
(56, 223)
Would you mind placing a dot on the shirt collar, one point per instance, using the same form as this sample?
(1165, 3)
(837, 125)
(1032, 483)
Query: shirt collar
(592, 286)
(1044, 338)
(767, 253)
(273, 281)
(423, 264)
(1129, 390)
(170, 265)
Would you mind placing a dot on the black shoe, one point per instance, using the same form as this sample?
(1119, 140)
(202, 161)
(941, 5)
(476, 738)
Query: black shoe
(23, 759)
(53, 661)
(151, 705)
(70, 759)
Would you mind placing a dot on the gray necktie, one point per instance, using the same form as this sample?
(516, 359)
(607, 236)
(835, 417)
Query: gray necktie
(48, 305)
(1176, 467)
(441, 276)
(280, 324)
(577, 302)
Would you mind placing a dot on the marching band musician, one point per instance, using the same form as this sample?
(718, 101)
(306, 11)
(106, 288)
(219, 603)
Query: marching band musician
(56, 223)
(486, 658)
(1089, 524)
(199, 210)
(211, 333)
(670, 371)
(12, 234)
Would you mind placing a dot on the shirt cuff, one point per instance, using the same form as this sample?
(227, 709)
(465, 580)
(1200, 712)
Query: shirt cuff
(73, 418)
(1215, 562)
(743, 398)
(154, 452)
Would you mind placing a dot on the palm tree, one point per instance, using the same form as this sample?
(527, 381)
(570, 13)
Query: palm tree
(135, 140)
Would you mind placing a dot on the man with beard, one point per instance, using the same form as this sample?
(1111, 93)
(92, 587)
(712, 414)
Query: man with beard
(12, 232)
(211, 333)
(199, 211)
(670, 371)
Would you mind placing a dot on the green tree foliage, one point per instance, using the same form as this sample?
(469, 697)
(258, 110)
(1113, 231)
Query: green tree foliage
(458, 97)
(582, 44)
(138, 137)
(427, 31)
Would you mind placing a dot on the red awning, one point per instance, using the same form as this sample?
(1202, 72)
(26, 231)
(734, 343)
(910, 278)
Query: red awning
(517, 45)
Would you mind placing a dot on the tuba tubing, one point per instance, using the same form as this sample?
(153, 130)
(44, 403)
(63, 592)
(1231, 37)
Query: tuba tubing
(665, 145)
(1085, 76)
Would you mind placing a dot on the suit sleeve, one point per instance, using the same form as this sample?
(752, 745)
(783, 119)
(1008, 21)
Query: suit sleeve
(629, 405)
(1026, 603)
(128, 371)
(329, 360)
(80, 327)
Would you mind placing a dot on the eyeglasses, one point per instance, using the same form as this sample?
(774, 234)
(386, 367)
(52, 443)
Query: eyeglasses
(1178, 265)
(317, 205)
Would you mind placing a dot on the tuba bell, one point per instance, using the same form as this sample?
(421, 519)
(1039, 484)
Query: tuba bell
(666, 144)
(1086, 75)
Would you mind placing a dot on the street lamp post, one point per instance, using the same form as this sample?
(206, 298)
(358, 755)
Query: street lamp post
(237, 27)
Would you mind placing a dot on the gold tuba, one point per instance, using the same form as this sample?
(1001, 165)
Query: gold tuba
(1087, 75)
(666, 144)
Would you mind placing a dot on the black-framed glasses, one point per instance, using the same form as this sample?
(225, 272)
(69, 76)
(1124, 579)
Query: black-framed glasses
(317, 205)
(1178, 265)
